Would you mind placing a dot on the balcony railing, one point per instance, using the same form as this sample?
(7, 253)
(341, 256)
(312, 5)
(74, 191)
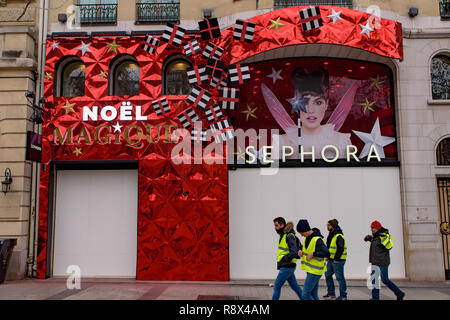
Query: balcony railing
(98, 13)
(157, 12)
(444, 6)
(278, 4)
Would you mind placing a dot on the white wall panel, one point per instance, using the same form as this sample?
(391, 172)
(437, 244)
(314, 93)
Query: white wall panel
(96, 222)
(354, 196)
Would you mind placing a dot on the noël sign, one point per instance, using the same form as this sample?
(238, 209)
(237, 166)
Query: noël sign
(34, 146)
(110, 113)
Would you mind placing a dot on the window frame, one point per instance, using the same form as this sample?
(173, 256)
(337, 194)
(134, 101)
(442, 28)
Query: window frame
(60, 68)
(436, 55)
(170, 60)
(114, 66)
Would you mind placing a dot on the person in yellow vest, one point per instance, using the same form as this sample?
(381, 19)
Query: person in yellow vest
(338, 254)
(286, 258)
(313, 254)
(380, 245)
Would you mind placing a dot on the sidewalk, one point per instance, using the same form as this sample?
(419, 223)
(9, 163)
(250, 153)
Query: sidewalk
(124, 289)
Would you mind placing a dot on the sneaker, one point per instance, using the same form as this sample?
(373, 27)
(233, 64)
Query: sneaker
(400, 297)
(341, 298)
(329, 297)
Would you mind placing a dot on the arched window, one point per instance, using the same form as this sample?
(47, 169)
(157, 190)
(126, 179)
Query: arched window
(175, 76)
(70, 77)
(440, 77)
(443, 152)
(124, 76)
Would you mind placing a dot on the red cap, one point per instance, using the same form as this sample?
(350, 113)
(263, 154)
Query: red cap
(376, 224)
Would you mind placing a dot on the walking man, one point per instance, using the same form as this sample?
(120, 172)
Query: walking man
(338, 254)
(313, 254)
(286, 258)
(380, 244)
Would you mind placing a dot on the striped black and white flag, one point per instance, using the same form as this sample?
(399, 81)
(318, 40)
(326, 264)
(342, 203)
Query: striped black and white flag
(173, 34)
(310, 18)
(188, 118)
(239, 74)
(199, 97)
(198, 135)
(161, 105)
(192, 47)
(228, 98)
(197, 75)
(151, 44)
(222, 131)
(212, 51)
(213, 113)
(244, 31)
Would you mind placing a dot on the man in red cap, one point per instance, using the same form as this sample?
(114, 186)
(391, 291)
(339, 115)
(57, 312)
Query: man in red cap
(380, 244)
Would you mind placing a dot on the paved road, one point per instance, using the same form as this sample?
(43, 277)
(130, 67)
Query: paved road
(121, 289)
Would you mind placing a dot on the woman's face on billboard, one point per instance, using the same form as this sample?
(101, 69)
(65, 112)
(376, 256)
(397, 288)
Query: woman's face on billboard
(316, 108)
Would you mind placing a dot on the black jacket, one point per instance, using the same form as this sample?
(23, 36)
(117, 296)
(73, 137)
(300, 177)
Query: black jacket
(321, 249)
(378, 255)
(340, 243)
(289, 233)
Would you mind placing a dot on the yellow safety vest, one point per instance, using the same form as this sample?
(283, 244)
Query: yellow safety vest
(333, 247)
(386, 240)
(283, 249)
(316, 265)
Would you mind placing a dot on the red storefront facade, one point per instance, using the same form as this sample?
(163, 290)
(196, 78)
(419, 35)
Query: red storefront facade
(183, 209)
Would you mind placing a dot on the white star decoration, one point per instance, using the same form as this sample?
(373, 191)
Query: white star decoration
(54, 45)
(374, 138)
(117, 127)
(366, 29)
(275, 75)
(84, 48)
(336, 16)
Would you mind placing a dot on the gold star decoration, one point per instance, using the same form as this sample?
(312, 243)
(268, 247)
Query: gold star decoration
(48, 76)
(240, 154)
(376, 82)
(276, 24)
(367, 105)
(77, 151)
(250, 112)
(102, 74)
(113, 46)
(68, 107)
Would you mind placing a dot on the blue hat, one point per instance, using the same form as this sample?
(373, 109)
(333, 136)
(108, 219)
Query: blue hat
(303, 225)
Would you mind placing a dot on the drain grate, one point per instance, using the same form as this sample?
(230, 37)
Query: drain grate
(217, 297)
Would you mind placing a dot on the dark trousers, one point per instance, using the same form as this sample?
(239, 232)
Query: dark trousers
(382, 271)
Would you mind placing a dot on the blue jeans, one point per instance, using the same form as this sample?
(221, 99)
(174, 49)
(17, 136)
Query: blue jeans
(338, 269)
(383, 272)
(311, 287)
(286, 274)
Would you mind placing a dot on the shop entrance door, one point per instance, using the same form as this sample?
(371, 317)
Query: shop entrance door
(444, 205)
(96, 222)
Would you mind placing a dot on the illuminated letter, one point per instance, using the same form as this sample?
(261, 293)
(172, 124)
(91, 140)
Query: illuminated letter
(373, 147)
(84, 134)
(355, 149)
(336, 153)
(125, 112)
(104, 115)
(283, 152)
(265, 154)
(250, 155)
(303, 153)
(139, 116)
(97, 133)
(67, 139)
(135, 144)
(88, 113)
